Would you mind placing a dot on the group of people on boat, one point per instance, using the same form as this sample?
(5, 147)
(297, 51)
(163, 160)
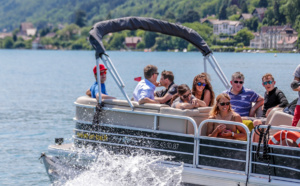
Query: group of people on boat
(234, 104)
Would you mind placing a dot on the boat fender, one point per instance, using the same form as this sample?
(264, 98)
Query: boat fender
(282, 135)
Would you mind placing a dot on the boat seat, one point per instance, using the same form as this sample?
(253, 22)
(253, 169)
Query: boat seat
(85, 107)
(279, 118)
(179, 125)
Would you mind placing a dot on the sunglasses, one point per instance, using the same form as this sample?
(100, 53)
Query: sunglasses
(201, 84)
(156, 73)
(186, 96)
(104, 72)
(240, 82)
(223, 103)
(268, 82)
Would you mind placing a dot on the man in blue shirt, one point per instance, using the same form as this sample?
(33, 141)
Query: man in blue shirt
(94, 91)
(242, 98)
(144, 91)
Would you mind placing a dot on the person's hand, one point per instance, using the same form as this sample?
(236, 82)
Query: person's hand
(157, 84)
(196, 102)
(268, 111)
(226, 133)
(220, 128)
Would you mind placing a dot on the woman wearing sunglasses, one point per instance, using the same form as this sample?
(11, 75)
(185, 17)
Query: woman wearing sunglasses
(222, 111)
(184, 99)
(202, 89)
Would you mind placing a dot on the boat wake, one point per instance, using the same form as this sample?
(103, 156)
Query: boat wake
(138, 169)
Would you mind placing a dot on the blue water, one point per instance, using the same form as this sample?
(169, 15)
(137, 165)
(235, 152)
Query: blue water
(38, 88)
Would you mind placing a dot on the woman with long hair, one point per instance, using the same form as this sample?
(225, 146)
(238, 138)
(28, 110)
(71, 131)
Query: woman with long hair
(222, 111)
(202, 89)
(184, 99)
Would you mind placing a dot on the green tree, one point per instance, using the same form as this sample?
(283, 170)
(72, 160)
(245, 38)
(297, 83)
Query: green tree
(70, 32)
(278, 14)
(244, 36)
(19, 44)
(140, 45)
(80, 18)
(244, 7)
(291, 9)
(190, 17)
(263, 3)
(223, 14)
(163, 42)
(170, 15)
(116, 42)
(149, 39)
(8, 42)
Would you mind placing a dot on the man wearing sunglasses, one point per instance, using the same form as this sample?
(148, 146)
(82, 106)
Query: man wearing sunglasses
(167, 80)
(94, 91)
(144, 91)
(273, 96)
(242, 98)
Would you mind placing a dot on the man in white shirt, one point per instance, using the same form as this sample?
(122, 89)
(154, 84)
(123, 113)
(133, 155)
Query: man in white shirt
(144, 91)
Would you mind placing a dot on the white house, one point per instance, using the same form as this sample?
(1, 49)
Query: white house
(226, 26)
(275, 37)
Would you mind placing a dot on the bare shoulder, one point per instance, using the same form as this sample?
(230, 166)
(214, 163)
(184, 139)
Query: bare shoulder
(236, 116)
(211, 117)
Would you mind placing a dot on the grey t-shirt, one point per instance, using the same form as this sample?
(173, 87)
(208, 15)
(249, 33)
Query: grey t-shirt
(297, 75)
(178, 100)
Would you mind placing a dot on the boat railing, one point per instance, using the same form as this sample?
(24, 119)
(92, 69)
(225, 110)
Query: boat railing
(281, 160)
(155, 128)
(212, 149)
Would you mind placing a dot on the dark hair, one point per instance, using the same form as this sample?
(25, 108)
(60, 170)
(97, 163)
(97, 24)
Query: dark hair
(208, 86)
(168, 75)
(149, 70)
(181, 89)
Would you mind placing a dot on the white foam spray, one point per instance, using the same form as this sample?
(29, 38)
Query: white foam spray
(139, 169)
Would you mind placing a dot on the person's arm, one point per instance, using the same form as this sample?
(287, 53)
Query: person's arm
(198, 103)
(242, 135)
(88, 93)
(104, 96)
(147, 100)
(164, 99)
(185, 106)
(259, 102)
(207, 97)
(213, 132)
(297, 89)
(282, 99)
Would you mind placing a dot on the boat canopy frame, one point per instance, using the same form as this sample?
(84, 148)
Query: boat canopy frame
(100, 29)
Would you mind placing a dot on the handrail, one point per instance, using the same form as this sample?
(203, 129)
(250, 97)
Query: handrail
(226, 123)
(289, 128)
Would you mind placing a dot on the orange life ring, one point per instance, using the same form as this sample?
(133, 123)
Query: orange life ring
(295, 136)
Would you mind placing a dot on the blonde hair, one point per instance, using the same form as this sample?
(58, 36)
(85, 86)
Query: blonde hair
(208, 86)
(266, 76)
(215, 110)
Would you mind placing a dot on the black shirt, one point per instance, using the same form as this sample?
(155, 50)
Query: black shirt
(274, 98)
(172, 89)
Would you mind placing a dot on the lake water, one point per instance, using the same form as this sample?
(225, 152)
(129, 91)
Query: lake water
(38, 89)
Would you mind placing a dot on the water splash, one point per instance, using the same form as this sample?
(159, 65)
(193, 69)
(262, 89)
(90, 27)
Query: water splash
(139, 169)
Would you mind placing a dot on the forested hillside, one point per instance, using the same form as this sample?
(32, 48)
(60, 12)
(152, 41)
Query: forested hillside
(42, 12)
(69, 21)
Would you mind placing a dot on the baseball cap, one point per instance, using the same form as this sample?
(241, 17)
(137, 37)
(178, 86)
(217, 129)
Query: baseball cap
(102, 67)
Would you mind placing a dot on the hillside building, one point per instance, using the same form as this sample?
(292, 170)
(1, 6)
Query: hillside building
(283, 38)
(225, 26)
(131, 42)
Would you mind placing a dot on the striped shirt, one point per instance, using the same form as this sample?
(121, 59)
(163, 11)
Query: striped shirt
(242, 102)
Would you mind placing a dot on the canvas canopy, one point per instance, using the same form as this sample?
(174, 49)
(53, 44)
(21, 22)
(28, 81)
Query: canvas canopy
(102, 28)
